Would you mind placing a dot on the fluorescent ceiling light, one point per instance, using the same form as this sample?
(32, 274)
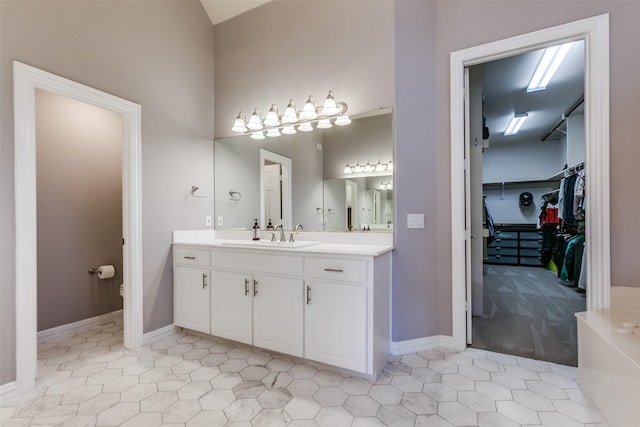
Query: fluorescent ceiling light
(551, 60)
(515, 124)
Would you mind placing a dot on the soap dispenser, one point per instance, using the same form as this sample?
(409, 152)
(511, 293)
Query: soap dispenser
(256, 230)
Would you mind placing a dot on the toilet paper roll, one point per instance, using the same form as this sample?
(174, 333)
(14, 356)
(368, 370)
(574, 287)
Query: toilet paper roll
(106, 271)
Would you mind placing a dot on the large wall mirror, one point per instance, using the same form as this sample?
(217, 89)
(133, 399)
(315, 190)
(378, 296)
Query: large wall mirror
(337, 179)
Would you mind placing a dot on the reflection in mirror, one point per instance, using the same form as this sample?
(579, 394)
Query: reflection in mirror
(275, 194)
(317, 166)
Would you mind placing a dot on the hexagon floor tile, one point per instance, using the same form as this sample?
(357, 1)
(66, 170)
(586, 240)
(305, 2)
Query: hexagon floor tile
(188, 379)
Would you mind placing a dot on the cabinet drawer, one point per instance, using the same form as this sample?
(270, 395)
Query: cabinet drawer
(270, 263)
(348, 270)
(502, 251)
(531, 244)
(191, 256)
(530, 235)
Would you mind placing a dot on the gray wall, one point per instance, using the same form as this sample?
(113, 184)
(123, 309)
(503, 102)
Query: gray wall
(523, 160)
(417, 38)
(79, 199)
(158, 54)
(507, 209)
(502, 19)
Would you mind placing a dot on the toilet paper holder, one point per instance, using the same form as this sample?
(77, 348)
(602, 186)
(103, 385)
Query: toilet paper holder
(93, 271)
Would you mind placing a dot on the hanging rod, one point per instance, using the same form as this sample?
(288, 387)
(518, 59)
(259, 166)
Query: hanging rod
(564, 118)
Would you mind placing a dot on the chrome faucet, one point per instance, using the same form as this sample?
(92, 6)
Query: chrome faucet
(299, 227)
(282, 236)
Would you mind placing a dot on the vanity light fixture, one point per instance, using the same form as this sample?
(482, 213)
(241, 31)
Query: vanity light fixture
(368, 167)
(292, 121)
(385, 186)
(547, 67)
(515, 124)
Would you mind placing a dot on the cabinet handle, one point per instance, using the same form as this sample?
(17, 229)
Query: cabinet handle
(189, 257)
(255, 288)
(246, 287)
(204, 280)
(308, 294)
(334, 270)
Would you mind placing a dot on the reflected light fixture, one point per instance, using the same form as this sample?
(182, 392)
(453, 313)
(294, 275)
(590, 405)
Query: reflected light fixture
(547, 67)
(515, 124)
(368, 167)
(292, 121)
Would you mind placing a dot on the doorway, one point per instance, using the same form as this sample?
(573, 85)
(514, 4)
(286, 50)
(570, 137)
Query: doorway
(525, 291)
(27, 80)
(595, 32)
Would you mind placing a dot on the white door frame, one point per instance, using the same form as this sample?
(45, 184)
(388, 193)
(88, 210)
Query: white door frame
(595, 32)
(26, 80)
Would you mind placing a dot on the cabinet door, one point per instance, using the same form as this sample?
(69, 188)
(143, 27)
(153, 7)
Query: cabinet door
(278, 314)
(336, 324)
(231, 295)
(191, 295)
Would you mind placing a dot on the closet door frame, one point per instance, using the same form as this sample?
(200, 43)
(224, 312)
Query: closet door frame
(595, 32)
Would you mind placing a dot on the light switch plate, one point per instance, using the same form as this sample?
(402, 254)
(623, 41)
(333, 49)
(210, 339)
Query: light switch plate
(415, 220)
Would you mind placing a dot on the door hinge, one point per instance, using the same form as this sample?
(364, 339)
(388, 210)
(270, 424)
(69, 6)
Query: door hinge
(467, 305)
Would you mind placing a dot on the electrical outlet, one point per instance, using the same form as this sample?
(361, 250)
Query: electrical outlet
(220, 221)
(207, 221)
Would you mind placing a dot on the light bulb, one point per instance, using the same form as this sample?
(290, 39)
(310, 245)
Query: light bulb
(290, 115)
(347, 169)
(305, 127)
(257, 135)
(342, 121)
(380, 167)
(329, 107)
(309, 110)
(255, 123)
(358, 168)
(239, 125)
(390, 166)
(324, 124)
(289, 130)
(272, 133)
(272, 117)
(368, 167)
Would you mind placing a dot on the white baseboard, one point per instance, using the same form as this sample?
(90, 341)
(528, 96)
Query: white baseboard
(7, 390)
(158, 334)
(421, 344)
(81, 325)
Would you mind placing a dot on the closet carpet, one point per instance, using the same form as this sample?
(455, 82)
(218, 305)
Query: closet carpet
(528, 312)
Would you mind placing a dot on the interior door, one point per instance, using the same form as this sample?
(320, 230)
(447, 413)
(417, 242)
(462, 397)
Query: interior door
(467, 207)
(273, 193)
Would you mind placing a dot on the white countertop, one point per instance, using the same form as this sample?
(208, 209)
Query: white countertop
(375, 246)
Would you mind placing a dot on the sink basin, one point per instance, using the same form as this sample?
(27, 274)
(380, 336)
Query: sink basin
(269, 243)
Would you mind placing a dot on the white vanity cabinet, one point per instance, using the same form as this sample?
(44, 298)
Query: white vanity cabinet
(191, 288)
(257, 298)
(326, 307)
(336, 310)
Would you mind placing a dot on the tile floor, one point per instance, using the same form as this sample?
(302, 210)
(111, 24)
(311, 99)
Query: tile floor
(89, 379)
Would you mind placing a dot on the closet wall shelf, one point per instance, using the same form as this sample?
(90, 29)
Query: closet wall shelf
(537, 181)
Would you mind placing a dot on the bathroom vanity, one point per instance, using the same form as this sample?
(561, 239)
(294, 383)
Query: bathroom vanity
(324, 301)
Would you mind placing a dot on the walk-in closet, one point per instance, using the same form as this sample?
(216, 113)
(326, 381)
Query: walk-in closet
(527, 206)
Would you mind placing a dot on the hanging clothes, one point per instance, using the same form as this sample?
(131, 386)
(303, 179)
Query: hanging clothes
(573, 257)
(578, 199)
(582, 280)
(569, 195)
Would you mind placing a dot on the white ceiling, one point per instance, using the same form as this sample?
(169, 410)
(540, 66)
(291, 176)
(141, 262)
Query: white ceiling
(505, 93)
(221, 10)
